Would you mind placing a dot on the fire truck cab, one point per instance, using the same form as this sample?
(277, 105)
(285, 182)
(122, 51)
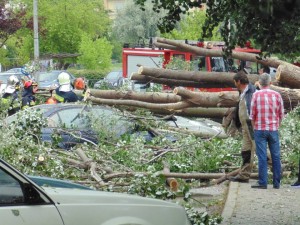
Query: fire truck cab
(160, 58)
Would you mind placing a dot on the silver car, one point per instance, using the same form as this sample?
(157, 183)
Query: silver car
(113, 79)
(23, 202)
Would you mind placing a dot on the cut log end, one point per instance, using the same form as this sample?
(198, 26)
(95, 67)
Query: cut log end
(278, 72)
(173, 184)
(140, 70)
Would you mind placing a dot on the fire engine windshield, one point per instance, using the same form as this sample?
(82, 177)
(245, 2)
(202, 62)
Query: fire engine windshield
(217, 64)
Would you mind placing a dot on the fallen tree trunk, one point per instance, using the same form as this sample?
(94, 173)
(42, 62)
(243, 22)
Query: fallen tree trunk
(171, 44)
(146, 105)
(204, 176)
(216, 78)
(288, 76)
(209, 99)
(153, 97)
(291, 97)
(172, 82)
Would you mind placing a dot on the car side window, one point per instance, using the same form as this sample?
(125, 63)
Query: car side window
(10, 190)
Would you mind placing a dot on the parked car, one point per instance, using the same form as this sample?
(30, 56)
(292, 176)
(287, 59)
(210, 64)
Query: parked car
(113, 79)
(49, 78)
(3, 79)
(78, 123)
(23, 202)
(14, 70)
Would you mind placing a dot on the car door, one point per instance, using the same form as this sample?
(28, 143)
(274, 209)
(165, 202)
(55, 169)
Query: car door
(21, 203)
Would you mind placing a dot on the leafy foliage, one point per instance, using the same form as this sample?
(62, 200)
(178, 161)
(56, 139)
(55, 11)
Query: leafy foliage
(95, 54)
(61, 26)
(188, 28)
(272, 24)
(11, 19)
(132, 25)
(21, 146)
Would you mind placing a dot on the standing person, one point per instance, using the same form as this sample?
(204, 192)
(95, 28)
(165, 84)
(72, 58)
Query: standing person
(64, 92)
(11, 95)
(28, 95)
(246, 91)
(267, 112)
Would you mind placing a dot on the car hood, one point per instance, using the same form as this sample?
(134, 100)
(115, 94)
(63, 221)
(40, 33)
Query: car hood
(97, 207)
(77, 196)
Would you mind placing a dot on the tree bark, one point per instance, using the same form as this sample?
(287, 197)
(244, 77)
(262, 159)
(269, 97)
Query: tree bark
(220, 79)
(152, 97)
(288, 76)
(171, 82)
(171, 44)
(209, 99)
(290, 97)
(151, 106)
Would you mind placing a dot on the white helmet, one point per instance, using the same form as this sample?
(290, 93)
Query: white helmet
(63, 78)
(13, 81)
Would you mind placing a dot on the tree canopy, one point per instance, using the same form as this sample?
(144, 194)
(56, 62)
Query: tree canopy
(272, 24)
(10, 20)
(132, 25)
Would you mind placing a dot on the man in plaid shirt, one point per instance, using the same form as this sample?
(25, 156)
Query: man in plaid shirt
(267, 112)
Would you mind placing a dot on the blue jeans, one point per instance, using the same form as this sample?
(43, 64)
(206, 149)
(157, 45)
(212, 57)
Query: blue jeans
(262, 139)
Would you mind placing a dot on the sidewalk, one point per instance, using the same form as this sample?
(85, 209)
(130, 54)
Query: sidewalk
(248, 206)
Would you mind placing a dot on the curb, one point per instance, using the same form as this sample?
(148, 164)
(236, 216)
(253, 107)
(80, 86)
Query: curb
(230, 202)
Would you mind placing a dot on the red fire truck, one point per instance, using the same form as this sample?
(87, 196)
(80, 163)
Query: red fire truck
(155, 57)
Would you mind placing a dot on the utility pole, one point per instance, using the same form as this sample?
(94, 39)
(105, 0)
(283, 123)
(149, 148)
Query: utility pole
(36, 32)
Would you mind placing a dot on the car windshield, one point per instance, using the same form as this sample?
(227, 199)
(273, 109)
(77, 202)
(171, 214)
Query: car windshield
(47, 76)
(87, 118)
(113, 75)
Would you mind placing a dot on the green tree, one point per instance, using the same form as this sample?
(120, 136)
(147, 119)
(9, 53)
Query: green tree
(273, 24)
(188, 28)
(62, 24)
(95, 54)
(133, 25)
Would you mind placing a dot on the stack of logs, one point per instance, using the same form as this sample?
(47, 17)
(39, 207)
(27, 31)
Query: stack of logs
(198, 104)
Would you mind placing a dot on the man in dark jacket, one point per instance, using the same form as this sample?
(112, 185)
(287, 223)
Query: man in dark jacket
(246, 91)
(64, 92)
(28, 95)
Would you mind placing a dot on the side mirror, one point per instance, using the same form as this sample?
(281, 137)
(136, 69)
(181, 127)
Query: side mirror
(31, 195)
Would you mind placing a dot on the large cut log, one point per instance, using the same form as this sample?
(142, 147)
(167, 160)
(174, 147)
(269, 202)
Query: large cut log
(173, 82)
(221, 79)
(209, 99)
(189, 99)
(271, 62)
(175, 45)
(140, 104)
(288, 76)
(291, 97)
(153, 97)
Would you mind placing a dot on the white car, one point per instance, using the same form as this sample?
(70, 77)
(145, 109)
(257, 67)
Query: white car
(23, 202)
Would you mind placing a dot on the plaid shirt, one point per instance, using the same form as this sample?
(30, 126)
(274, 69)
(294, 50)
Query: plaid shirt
(267, 109)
